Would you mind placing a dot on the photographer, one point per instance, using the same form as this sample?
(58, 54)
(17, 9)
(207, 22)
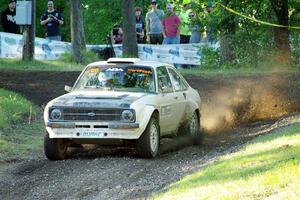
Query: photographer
(8, 19)
(52, 19)
(117, 34)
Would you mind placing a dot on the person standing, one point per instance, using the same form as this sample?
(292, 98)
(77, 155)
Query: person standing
(139, 25)
(195, 28)
(154, 27)
(210, 32)
(185, 33)
(8, 18)
(52, 19)
(117, 34)
(171, 24)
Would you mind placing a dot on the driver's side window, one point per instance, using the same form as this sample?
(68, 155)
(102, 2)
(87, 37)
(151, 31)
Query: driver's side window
(164, 82)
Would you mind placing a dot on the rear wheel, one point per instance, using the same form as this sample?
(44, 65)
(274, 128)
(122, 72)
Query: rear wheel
(55, 149)
(148, 144)
(193, 128)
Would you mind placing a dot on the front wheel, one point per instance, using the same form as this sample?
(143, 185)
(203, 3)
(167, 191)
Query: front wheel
(148, 144)
(55, 149)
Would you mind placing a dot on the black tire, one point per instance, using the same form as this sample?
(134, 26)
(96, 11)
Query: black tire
(54, 149)
(193, 129)
(144, 147)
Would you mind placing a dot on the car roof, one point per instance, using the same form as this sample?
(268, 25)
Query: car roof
(133, 61)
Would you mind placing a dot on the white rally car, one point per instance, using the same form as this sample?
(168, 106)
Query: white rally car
(125, 100)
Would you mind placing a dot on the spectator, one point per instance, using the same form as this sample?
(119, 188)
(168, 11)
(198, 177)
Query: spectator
(185, 33)
(117, 35)
(52, 19)
(154, 27)
(194, 27)
(171, 25)
(8, 18)
(209, 29)
(139, 25)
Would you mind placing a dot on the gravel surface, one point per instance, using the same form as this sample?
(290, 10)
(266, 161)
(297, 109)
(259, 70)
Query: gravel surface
(116, 173)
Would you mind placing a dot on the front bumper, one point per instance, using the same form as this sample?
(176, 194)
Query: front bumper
(87, 130)
(109, 125)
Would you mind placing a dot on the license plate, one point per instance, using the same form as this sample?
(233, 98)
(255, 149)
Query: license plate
(90, 134)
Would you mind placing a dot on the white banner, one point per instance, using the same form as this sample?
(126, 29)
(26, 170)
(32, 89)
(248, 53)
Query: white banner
(11, 47)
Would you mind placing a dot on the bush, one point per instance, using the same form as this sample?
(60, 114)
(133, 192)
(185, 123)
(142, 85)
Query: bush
(210, 58)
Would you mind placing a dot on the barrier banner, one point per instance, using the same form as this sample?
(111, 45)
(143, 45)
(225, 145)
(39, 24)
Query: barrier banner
(11, 46)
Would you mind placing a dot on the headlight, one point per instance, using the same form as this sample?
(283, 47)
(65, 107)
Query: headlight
(55, 114)
(128, 116)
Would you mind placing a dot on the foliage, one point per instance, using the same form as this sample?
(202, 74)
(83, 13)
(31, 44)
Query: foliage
(266, 168)
(252, 42)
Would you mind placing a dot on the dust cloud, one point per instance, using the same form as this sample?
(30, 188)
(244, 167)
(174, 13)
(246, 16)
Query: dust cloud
(228, 103)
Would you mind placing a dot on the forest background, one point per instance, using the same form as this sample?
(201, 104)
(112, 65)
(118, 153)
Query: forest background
(242, 41)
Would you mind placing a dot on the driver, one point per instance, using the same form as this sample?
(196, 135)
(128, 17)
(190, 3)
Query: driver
(146, 83)
(102, 79)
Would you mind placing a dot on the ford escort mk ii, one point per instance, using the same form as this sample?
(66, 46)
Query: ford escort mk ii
(124, 100)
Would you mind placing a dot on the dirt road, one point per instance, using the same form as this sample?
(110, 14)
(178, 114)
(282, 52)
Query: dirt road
(251, 102)
(106, 173)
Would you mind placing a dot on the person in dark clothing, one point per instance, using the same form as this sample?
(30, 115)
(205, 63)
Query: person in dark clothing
(117, 34)
(8, 18)
(52, 19)
(139, 25)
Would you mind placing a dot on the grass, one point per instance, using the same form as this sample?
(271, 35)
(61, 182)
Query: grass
(269, 167)
(14, 108)
(65, 64)
(16, 136)
(57, 65)
(232, 71)
(21, 141)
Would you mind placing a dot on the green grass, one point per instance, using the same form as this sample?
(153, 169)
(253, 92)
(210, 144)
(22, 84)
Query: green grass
(14, 108)
(269, 167)
(57, 65)
(16, 136)
(232, 71)
(65, 64)
(22, 141)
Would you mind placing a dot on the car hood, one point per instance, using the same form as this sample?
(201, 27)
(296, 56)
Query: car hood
(105, 99)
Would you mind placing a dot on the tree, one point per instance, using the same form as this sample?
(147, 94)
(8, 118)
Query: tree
(130, 48)
(226, 36)
(77, 31)
(29, 37)
(281, 35)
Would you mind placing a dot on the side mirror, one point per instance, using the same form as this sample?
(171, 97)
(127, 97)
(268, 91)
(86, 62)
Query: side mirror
(68, 88)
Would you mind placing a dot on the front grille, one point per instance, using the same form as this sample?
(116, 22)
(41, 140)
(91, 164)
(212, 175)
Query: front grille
(97, 114)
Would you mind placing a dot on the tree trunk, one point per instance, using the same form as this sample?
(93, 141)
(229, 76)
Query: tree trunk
(29, 37)
(130, 48)
(281, 35)
(77, 31)
(227, 33)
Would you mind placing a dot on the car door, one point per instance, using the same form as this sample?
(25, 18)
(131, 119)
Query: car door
(166, 100)
(180, 96)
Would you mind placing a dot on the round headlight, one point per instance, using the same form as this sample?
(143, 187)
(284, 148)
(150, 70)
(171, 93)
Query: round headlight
(127, 115)
(55, 114)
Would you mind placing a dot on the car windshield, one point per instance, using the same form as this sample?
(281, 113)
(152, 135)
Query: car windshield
(118, 78)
